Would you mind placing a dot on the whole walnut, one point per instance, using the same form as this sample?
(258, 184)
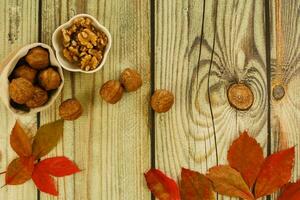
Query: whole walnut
(131, 80)
(38, 58)
(40, 97)
(49, 79)
(21, 90)
(111, 91)
(26, 72)
(162, 101)
(70, 109)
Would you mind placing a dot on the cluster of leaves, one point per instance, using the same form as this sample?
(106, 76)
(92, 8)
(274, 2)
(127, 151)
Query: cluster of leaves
(27, 167)
(249, 176)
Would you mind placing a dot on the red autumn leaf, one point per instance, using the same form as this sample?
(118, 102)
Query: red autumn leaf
(163, 187)
(291, 192)
(58, 166)
(275, 172)
(228, 181)
(43, 181)
(20, 142)
(195, 186)
(246, 156)
(19, 171)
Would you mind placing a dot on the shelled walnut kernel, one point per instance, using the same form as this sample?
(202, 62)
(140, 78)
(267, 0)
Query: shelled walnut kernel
(83, 44)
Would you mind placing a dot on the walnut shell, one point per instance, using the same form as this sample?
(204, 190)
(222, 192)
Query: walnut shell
(49, 79)
(38, 58)
(162, 101)
(40, 97)
(70, 109)
(131, 80)
(21, 90)
(26, 72)
(111, 91)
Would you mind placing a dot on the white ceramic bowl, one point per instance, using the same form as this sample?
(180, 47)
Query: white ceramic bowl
(8, 66)
(58, 45)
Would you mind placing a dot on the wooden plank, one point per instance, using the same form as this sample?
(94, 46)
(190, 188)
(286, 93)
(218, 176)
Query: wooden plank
(285, 62)
(18, 26)
(110, 143)
(202, 47)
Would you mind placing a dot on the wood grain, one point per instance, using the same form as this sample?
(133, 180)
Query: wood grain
(17, 17)
(110, 143)
(201, 48)
(285, 55)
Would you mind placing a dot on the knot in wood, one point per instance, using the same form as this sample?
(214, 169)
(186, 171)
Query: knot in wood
(240, 96)
(278, 92)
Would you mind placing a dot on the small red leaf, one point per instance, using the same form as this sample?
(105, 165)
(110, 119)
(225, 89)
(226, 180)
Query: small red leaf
(20, 142)
(43, 181)
(195, 186)
(163, 187)
(275, 172)
(246, 156)
(228, 181)
(291, 192)
(19, 171)
(58, 166)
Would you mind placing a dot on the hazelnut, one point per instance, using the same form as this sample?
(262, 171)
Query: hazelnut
(162, 101)
(21, 90)
(131, 80)
(111, 91)
(49, 79)
(40, 97)
(70, 109)
(26, 72)
(38, 58)
(240, 96)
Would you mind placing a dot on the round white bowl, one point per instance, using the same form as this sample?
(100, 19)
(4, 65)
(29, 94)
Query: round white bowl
(9, 64)
(58, 45)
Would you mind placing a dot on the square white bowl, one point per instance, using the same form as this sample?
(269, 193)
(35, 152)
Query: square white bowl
(8, 66)
(57, 41)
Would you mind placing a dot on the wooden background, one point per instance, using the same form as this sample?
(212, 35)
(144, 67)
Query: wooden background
(196, 49)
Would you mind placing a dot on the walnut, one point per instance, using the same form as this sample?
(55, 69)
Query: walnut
(90, 62)
(26, 72)
(83, 44)
(38, 58)
(131, 80)
(162, 101)
(87, 38)
(40, 97)
(21, 90)
(66, 37)
(111, 91)
(49, 79)
(70, 109)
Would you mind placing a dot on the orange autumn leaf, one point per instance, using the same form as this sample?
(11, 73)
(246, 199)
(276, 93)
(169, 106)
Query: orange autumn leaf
(163, 187)
(20, 142)
(291, 192)
(19, 171)
(47, 138)
(195, 186)
(246, 156)
(228, 181)
(275, 172)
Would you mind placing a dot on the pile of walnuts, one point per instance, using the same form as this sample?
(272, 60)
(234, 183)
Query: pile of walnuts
(32, 80)
(83, 44)
(130, 80)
